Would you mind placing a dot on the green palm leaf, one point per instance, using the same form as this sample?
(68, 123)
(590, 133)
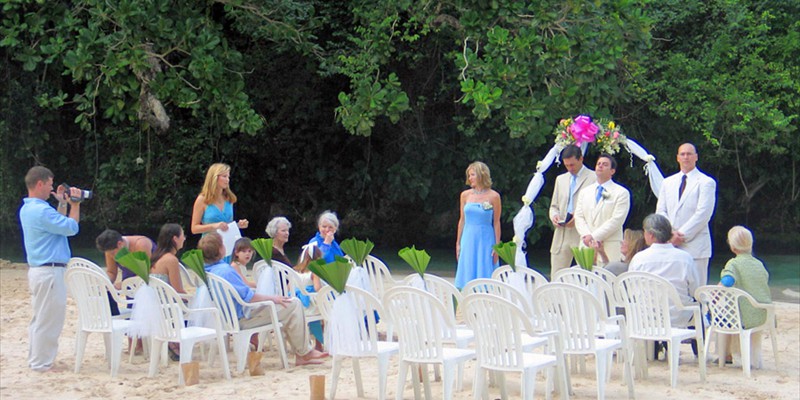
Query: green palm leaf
(263, 248)
(584, 257)
(508, 252)
(138, 262)
(193, 259)
(417, 259)
(334, 273)
(357, 250)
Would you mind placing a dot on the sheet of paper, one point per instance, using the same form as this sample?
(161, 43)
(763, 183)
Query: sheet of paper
(230, 237)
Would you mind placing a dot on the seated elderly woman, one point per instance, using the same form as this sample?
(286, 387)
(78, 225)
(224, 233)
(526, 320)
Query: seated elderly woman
(749, 274)
(278, 230)
(290, 311)
(323, 244)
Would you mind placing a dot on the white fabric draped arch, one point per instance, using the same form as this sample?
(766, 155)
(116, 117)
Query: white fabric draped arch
(525, 217)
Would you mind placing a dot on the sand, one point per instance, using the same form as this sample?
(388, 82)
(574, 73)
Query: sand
(94, 380)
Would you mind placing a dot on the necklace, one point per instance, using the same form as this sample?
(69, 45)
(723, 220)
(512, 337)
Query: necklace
(482, 191)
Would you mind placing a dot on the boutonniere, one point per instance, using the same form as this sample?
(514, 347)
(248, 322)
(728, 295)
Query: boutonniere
(486, 205)
(605, 195)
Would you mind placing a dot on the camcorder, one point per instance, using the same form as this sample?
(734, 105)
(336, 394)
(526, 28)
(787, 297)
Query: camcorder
(85, 194)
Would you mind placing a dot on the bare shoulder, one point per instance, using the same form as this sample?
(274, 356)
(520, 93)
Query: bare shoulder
(493, 195)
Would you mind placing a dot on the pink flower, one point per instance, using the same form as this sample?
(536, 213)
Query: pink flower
(583, 129)
(616, 135)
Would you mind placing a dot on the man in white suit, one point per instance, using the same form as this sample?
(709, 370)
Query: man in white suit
(602, 209)
(562, 207)
(687, 199)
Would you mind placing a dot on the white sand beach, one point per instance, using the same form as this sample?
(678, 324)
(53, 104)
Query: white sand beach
(94, 381)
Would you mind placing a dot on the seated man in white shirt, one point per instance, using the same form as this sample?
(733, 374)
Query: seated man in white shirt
(667, 261)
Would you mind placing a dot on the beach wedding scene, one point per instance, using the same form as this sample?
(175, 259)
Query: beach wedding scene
(400, 199)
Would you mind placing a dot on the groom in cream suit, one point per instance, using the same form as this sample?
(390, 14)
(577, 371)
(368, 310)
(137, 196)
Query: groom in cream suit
(602, 209)
(562, 207)
(687, 199)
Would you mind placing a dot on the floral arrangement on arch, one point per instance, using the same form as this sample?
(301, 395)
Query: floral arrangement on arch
(582, 129)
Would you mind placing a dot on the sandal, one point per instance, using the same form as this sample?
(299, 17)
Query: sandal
(174, 352)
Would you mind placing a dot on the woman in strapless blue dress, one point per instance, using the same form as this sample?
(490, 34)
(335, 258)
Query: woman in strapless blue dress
(213, 208)
(478, 227)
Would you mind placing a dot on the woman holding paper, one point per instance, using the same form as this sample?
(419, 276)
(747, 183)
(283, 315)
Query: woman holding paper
(213, 208)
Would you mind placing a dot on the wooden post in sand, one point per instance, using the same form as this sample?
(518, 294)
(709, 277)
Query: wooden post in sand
(191, 373)
(254, 363)
(317, 383)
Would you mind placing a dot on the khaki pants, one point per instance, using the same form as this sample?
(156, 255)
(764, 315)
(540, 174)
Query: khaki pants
(293, 319)
(49, 303)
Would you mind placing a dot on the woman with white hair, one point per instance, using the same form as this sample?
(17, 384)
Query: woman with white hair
(324, 240)
(747, 273)
(278, 230)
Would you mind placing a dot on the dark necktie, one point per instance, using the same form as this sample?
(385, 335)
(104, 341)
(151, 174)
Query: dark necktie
(683, 186)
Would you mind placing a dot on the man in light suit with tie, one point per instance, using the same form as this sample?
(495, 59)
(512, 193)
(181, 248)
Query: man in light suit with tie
(562, 207)
(602, 208)
(687, 199)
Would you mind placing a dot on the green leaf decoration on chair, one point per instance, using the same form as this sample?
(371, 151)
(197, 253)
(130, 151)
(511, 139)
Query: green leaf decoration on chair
(584, 257)
(193, 259)
(357, 250)
(334, 273)
(263, 248)
(417, 259)
(138, 262)
(507, 251)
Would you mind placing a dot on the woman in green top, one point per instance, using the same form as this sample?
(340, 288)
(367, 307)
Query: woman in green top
(747, 273)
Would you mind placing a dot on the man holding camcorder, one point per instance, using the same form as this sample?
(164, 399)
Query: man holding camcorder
(45, 232)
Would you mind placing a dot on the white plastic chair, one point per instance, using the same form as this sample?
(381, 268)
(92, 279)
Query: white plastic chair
(379, 276)
(420, 320)
(287, 280)
(577, 316)
(225, 298)
(366, 344)
(502, 289)
(190, 277)
(172, 311)
(532, 278)
(723, 304)
(128, 288)
(89, 288)
(77, 262)
(500, 329)
(450, 297)
(647, 299)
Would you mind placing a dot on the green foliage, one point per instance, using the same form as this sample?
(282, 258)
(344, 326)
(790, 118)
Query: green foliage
(263, 248)
(335, 273)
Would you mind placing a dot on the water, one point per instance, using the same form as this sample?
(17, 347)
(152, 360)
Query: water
(784, 270)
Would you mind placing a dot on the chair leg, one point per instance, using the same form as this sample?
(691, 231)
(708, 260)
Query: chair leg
(701, 353)
(600, 372)
(401, 379)
(116, 351)
(155, 353)
(241, 344)
(383, 370)
(80, 347)
(501, 381)
(673, 356)
(528, 384)
(744, 347)
(773, 336)
(426, 380)
(357, 373)
(223, 355)
(628, 371)
(336, 366)
(447, 381)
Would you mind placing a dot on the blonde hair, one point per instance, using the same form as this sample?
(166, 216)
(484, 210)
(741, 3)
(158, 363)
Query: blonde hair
(740, 239)
(210, 187)
(636, 243)
(482, 171)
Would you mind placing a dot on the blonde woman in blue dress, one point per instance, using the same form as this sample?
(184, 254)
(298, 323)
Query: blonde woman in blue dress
(478, 226)
(213, 208)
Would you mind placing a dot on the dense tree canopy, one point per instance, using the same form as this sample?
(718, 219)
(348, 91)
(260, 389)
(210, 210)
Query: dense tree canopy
(374, 109)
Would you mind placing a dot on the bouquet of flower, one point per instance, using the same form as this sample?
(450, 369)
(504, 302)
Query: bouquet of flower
(609, 139)
(576, 131)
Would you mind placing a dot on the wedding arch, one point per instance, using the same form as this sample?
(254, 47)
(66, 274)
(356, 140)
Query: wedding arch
(579, 131)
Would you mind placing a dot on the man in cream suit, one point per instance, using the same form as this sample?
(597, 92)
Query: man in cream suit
(687, 199)
(562, 207)
(602, 209)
